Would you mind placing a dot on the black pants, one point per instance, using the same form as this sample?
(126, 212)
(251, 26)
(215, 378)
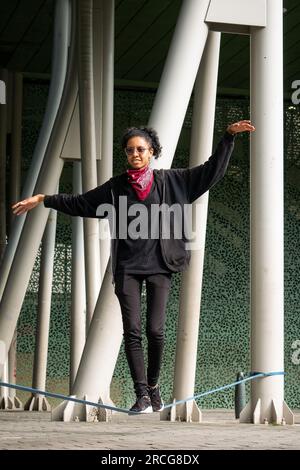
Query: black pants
(128, 288)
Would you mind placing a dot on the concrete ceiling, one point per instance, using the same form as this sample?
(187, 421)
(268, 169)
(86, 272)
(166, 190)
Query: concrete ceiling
(143, 33)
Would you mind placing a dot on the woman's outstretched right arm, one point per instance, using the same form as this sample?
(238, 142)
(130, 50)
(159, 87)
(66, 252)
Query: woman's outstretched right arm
(84, 205)
(27, 204)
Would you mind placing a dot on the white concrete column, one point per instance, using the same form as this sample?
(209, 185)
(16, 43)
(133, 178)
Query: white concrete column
(5, 402)
(12, 371)
(267, 267)
(58, 74)
(14, 195)
(191, 285)
(88, 149)
(104, 57)
(78, 300)
(39, 402)
(16, 142)
(36, 220)
(108, 22)
(3, 135)
(9, 100)
(178, 77)
(98, 73)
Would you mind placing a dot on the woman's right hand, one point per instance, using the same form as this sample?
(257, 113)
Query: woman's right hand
(27, 204)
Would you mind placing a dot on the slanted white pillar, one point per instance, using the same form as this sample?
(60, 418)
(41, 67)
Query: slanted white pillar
(78, 301)
(96, 371)
(98, 74)
(98, 359)
(5, 402)
(205, 93)
(3, 135)
(58, 74)
(39, 402)
(88, 149)
(267, 266)
(14, 195)
(104, 58)
(178, 77)
(108, 48)
(13, 401)
(16, 142)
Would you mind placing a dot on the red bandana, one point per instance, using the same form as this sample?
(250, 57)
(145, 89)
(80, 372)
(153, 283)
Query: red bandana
(141, 180)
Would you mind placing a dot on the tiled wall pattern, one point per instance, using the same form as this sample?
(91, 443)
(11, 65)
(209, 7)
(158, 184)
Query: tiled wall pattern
(224, 335)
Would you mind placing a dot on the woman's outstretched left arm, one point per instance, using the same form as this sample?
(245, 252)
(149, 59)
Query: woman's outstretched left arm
(201, 178)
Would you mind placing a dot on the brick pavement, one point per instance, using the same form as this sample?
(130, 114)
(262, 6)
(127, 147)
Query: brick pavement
(219, 430)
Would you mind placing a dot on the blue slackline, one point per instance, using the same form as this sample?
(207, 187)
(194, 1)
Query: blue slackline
(252, 376)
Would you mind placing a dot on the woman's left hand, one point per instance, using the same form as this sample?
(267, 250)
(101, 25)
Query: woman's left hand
(240, 126)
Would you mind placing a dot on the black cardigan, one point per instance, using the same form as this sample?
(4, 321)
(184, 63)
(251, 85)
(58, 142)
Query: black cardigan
(176, 186)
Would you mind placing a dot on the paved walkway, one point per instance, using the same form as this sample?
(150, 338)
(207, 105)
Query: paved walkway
(219, 430)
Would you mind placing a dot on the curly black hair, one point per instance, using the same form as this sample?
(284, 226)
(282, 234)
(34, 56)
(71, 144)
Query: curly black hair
(148, 133)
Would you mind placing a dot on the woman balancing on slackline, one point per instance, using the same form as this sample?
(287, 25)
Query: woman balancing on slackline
(144, 254)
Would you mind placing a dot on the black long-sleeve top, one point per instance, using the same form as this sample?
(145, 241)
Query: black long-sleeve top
(174, 186)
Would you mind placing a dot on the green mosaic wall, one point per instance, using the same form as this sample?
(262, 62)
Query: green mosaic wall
(225, 318)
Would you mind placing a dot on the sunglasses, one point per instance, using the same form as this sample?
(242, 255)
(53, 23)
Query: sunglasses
(131, 150)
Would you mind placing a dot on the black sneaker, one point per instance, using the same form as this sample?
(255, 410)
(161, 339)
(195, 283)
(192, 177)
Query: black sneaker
(156, 401)
(142, 405)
